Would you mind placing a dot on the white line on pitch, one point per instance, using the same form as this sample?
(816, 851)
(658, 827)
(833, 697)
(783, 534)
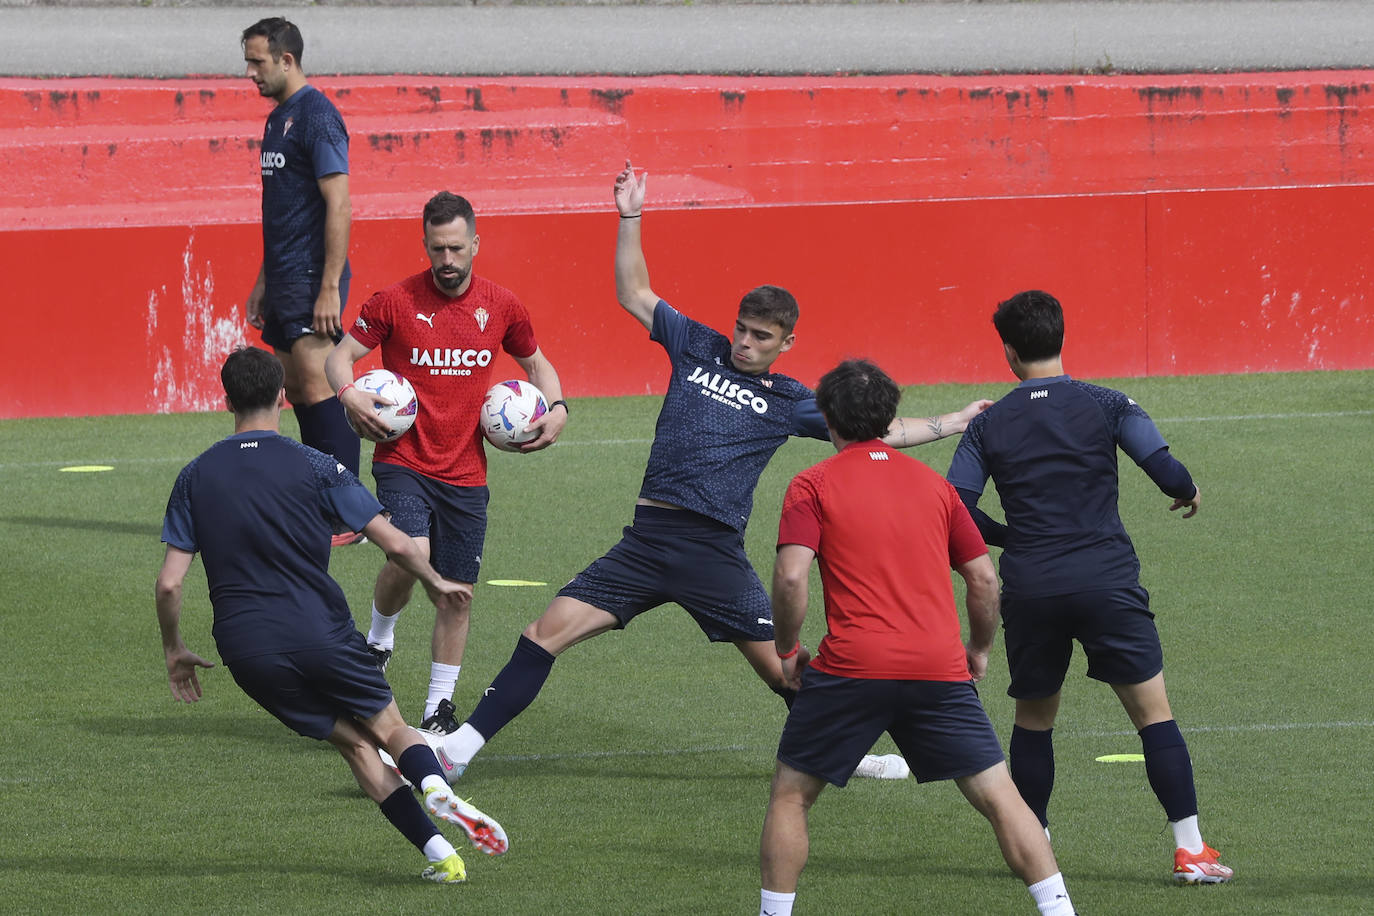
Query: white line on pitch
(1232, 729)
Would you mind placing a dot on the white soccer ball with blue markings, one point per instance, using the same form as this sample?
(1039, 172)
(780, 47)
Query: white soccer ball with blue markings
(509, 407)
(399, 416)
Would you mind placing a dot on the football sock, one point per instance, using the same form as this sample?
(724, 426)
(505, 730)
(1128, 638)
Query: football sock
(513, 689)
(406, 815)
(1032, 768)
(1187, 835)
(418, 761)
(789, 696)
(382, 633)
(1051, 897)
(324, 427)
(1169, 769)
(443, 679)
(438, 849)
(463, 745)
(772, 903)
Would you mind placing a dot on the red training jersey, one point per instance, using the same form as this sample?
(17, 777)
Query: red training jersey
(886, 530)
(444, 347)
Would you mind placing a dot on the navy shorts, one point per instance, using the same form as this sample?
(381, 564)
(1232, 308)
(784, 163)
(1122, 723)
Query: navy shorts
(288, 311)
(681, 556)
(940, 727)
(1114, 626)
(310, 690)
(453, 518)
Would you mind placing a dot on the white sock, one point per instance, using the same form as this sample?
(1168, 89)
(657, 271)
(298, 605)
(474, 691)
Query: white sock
(1051, 897)
(382, 634)
(442, 681)
(438, 849)
(1187, 835)
(775, 904)
(463, 745)
(431, 782)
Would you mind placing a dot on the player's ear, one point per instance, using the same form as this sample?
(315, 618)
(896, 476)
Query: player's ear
(476, 243)
(228, 405)
(281, 399)
(787, 343)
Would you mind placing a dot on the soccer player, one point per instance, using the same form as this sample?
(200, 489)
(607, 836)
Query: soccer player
(886, 530)
(440, 329)
(302, 286)
(259, 508)
(724, 416)
(1069, 571)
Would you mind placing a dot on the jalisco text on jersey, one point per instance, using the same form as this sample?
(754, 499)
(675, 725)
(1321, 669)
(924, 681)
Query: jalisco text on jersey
(727, 391)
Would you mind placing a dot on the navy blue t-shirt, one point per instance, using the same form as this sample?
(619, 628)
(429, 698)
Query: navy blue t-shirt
(304, 140)
(259, 508)
(1050, 447)
(718, 426)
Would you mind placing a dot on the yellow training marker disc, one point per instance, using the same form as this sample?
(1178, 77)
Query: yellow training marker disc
(1121, 758)
(86, 468)
(513, 582)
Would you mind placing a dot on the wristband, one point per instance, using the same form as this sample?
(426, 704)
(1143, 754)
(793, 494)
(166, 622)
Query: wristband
(339, 393)
(786, 655)
(635, 216)
(566, 409)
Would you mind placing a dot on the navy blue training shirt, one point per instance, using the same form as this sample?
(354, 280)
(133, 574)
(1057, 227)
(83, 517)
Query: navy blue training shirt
(718, 427)
(304, 140)
(259, 508)
(1050, 447)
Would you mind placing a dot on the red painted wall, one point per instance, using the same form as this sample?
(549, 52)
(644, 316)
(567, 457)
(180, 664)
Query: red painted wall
(1189, 224)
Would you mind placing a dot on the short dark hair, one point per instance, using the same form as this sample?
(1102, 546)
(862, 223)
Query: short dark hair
(281, 36)
(252, 379)
(858, 399)
(445, 207)
(772, 304)
(1032, 322)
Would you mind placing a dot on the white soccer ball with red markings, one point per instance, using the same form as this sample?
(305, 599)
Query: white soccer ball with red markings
(509, 407)
(399, 416)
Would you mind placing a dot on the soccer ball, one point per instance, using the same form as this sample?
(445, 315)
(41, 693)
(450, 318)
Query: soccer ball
(509, 407)
(399, 416)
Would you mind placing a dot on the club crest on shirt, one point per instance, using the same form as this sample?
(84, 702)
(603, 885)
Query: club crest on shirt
(482, 316)
(286, 126)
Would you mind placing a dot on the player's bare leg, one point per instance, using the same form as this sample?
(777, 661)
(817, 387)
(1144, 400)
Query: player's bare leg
(763, 658)
(303, 366)
(567, 622)
(1146, 703)
(785, 845)
(1024, 845)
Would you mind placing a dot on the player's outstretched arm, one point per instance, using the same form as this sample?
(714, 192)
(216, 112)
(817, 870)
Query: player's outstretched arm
(181, 661)
(541, 372)
(908, 431)
(361, 406)
(631, 271)
(402, 550)
(984, 606)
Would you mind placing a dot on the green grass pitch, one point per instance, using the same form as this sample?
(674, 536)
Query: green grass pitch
(636, 783)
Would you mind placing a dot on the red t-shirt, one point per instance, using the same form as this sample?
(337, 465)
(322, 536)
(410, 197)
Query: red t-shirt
(886, 530)
(444, 347)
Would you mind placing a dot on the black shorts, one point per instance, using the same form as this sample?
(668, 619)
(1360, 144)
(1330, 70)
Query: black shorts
(453, 518)
(1114, 626)
(310, 690)
(288, 310)
(680, 556)
(940, 727)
